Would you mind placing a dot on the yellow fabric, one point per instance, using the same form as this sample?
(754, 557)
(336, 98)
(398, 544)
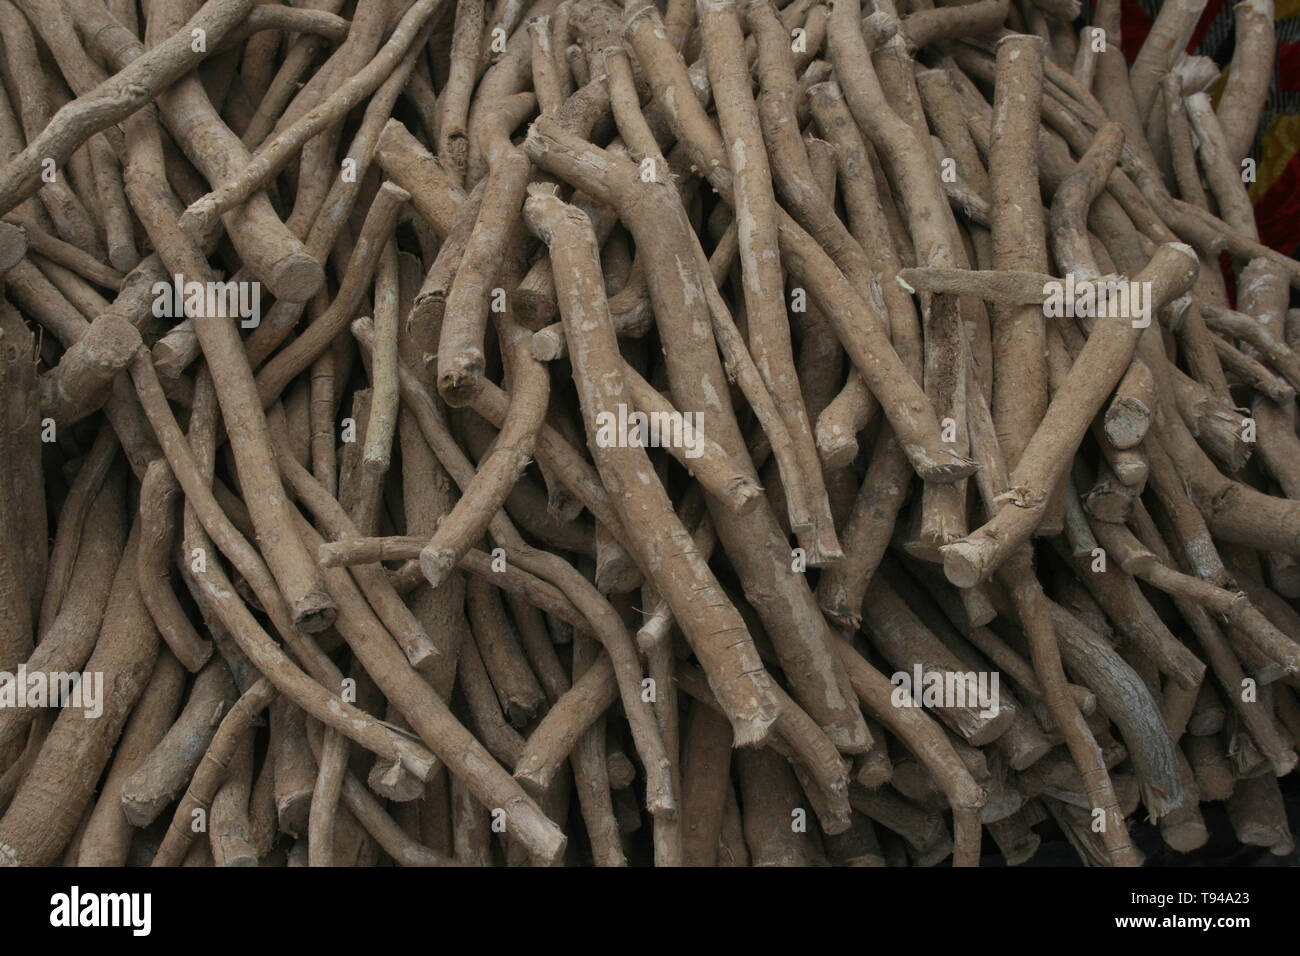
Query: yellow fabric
(1279, 144)
(1216, 90)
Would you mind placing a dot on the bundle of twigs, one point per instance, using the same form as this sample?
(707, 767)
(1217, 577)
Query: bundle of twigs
(471, 434)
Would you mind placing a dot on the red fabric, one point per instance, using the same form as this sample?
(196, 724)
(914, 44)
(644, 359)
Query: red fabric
(1134, 25)
(1203, 25)
(1277, 217)
(1288, 63)
(1278, 213)
(1229, 278)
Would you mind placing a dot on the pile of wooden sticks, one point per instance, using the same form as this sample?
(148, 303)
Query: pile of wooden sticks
(721, 432)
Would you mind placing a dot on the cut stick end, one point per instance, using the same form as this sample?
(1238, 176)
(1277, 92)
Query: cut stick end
(874, 774)
(544, 841)
(436, 564)
(1261, 7)
(1133, 470)
(824, 556)
(943, 468)
(533, 775)
(852, 739)
(979, 610)
(1025, 39)
(562, 506)
(554, 851)
(394, 782)
(123, 257)
(547, 344)
(313, 612)
(1284, 763)
(837, 451)
(296, 278)
(140, 810)
(1025, 756)
(462, 381)
(394, 193)
(1109, 504)
(192, 653)
(1185, 836)
(292, 811)
(837, 816)
(993, 728)
(1240, 602)
(1126, 423)
(964, 563)
(376, 464)
(419, 763)
(841, 615)
(661, 805)
(520, 713)
(423, 655)
(618, 576)
(198, 218)
(428, 310)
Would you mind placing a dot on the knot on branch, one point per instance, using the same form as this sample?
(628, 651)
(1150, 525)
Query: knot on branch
(1022, 497)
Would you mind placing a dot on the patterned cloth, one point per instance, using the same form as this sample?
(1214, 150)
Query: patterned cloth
(1276, 190)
